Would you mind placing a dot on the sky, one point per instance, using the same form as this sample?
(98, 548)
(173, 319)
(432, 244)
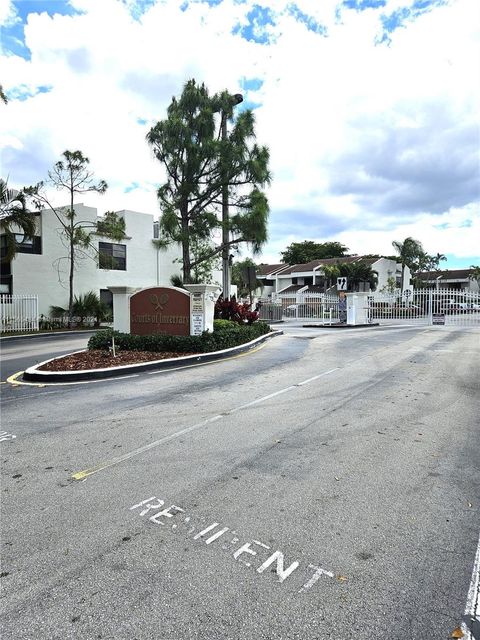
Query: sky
(370, 108)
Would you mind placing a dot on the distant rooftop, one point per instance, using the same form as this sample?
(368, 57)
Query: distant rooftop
(453, 274)
(307, 267)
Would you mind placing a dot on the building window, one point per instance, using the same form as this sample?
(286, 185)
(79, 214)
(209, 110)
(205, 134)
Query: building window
(112, 256)
(28, 245)
(294, 280)
(23, 244)
(106, 297)
(6, 278)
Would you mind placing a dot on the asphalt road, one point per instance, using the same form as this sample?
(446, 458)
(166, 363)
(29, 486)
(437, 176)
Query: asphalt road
(19, 353)
(324, 486)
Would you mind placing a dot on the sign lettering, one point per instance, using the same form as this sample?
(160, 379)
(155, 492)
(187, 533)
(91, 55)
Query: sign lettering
(160, 310)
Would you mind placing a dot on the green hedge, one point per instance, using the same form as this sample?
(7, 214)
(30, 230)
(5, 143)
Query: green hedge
(226, 334)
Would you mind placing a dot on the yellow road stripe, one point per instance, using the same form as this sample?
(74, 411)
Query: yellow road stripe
(13, 379)
(82, 474)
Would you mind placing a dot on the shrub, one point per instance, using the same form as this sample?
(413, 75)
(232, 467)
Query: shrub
(232, 310)
(48, 324)
(89, 305)
(223, 325)
(227, 336)
(87, 310)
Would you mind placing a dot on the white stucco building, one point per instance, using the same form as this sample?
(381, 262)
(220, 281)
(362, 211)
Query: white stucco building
(281, 279)
(456, 279)
(41, 266)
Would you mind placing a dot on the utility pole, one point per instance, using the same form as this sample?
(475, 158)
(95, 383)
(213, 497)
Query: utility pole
(237, 98)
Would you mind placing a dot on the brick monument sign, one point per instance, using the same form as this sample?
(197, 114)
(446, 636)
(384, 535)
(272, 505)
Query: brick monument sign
(160, 310)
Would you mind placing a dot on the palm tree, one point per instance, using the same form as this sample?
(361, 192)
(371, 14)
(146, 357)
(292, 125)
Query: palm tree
(330, 273)
(475, 273)
(14, 218)
(358, 272)
(363, 272)
(428, 264)
(410, 251)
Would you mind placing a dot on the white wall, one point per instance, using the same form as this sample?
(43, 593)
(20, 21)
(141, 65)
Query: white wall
(146, 265)
(47, 274)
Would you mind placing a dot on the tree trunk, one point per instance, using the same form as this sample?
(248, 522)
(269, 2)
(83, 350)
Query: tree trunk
(72, 264)
(187, 278)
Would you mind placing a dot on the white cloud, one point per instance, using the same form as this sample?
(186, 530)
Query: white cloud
(377, 138)
(8, 14)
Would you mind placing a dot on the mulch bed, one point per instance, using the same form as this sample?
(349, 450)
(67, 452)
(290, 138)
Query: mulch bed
(99, 359)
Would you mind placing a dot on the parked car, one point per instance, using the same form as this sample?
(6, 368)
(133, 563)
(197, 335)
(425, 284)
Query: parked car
(383, 310)
(291, 310)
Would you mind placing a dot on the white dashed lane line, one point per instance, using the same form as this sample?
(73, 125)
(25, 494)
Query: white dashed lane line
(471, 624)
(82, 475)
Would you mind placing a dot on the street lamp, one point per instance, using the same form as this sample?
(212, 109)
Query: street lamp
(237, 98)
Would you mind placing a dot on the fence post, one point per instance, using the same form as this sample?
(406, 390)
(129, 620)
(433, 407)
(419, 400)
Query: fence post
(430, 306)
(18, 313)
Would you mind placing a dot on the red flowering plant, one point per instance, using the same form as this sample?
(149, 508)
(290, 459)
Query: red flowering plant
(237, 312)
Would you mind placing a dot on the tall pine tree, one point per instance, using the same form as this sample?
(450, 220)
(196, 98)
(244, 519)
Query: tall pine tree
(200, 164)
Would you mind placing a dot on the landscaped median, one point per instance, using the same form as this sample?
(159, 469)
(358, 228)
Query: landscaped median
(112, 354)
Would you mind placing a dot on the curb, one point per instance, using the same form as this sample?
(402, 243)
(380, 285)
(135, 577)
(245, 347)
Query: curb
(53, 334)
(32, 374)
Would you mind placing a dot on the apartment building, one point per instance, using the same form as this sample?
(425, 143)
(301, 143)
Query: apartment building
(41, 266)
(278, 279)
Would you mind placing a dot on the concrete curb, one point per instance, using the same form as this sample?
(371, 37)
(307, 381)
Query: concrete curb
(52, 334)
(32, 374)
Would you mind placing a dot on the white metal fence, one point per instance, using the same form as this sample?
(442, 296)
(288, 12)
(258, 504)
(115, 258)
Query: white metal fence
(18, 313)
(270, 311)
(308, 306)
(451, 307)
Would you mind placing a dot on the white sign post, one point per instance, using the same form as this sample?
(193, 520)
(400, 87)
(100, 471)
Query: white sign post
(202, 303)
(197, 310)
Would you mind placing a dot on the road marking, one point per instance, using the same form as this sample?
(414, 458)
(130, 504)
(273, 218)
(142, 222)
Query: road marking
(13, 379)
(4, 436)
(471, 626)
(318, 573)
(81, 475)
(168, 513)
(217, 535)
(203, 364)
(26, 395)
(281, 572)
(276, 558)
(320, 375)
(258, 400)
(202, 533)
(149, 505)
